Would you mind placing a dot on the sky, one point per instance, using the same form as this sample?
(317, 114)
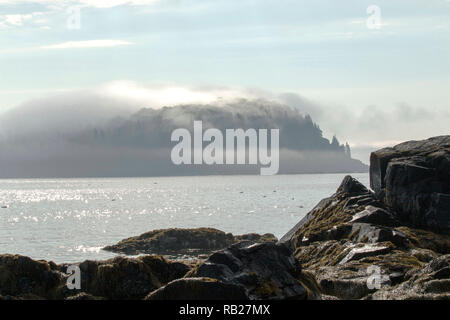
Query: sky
(375, 72)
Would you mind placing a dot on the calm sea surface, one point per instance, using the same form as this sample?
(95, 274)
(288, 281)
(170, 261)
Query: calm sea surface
(69, 220)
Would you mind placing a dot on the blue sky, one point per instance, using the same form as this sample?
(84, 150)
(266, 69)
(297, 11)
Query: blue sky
(321, 50)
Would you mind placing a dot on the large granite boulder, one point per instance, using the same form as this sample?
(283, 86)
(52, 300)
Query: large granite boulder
(413, 179)
(177, 241)
(266, 271)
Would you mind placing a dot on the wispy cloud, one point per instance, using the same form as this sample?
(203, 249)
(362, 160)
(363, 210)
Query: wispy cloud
(87, 44)
(107, 43)
(18, 20)
(114, 3)
(91, 3)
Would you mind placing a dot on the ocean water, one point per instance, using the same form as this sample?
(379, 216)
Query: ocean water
(70, 220)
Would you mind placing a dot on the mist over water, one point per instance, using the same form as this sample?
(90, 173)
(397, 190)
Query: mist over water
(139, 145)
(69, 220)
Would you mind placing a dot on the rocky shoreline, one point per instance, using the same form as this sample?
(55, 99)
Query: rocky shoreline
(392, 243)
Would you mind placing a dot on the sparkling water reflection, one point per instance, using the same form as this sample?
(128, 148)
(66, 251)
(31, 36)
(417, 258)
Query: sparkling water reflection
(67, 220)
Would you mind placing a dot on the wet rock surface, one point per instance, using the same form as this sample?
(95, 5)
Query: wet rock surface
(176, 241)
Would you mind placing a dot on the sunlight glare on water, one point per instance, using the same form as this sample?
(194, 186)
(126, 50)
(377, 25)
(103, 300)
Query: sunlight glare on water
(69, 220)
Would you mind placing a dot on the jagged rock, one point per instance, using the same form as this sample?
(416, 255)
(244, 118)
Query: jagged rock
(198, 289)
(375, 215)
(353, 230)
(182, 240)
(413, 178)
(329, 219)
(430, 282)
(351, 186)
(350, 279)
(357, 201)
(365, 251)
(365, 232)
(341, 267)
(266, 271)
